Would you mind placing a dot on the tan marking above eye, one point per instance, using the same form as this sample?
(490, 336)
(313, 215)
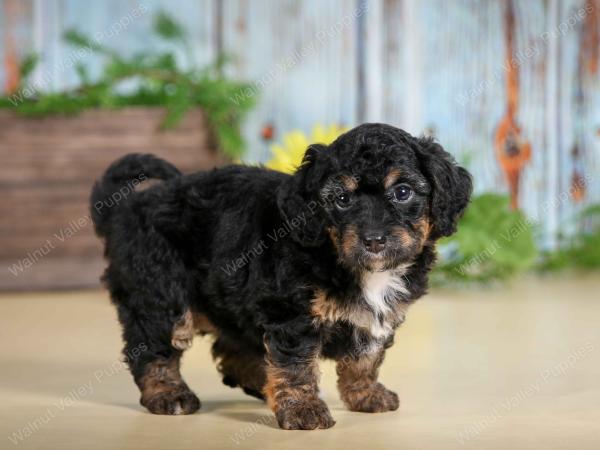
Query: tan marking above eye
(424, 226)
(349, 182)
(391, 178)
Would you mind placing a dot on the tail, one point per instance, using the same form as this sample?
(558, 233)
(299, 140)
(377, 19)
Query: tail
(119, 182)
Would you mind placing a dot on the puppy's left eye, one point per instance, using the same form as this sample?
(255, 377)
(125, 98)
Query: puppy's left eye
(342, 201)
(403, 193)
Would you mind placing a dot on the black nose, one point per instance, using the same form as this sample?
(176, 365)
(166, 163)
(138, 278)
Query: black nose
(374, 243)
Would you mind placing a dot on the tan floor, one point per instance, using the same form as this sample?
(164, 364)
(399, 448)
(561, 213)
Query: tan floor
(508, 368)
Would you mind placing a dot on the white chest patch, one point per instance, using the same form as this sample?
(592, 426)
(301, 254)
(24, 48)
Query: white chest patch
(380, 290)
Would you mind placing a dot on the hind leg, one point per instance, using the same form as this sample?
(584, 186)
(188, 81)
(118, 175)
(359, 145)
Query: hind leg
(240, 367)
(153, 351)
(151, 287)
(151, 296)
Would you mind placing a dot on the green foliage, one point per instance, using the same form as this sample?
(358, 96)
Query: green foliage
(167, 28)
(78, 39)
(159, 80)
(581, 251)
(493, 242)
(28, 65)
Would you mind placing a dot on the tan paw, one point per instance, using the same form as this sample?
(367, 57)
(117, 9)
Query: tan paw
(178, 401)
(375, 398)
(304, 415)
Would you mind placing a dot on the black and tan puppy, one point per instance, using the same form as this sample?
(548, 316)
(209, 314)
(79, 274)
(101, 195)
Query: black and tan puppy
(283, 270)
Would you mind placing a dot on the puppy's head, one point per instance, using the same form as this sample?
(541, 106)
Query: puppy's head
(378, 193)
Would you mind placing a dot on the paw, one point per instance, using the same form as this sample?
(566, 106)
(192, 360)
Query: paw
(304, 415)
(175, 402)
(375, 398)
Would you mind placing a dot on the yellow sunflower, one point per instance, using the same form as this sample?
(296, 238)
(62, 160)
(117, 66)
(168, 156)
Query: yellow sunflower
(288, 156)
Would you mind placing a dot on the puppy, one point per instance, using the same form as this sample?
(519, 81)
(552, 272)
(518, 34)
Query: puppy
(282, 270)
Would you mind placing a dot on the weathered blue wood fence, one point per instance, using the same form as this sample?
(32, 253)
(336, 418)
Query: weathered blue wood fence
(424, 65)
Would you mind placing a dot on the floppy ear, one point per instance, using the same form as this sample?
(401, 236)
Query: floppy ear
(298, 200)
(452, 187)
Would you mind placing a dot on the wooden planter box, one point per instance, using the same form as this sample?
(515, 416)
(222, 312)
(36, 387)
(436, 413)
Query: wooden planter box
(47, 170)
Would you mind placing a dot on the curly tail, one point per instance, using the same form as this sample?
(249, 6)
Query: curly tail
(119, 182)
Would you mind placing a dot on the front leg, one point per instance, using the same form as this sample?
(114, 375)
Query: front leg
(358, 385)
(292, 373)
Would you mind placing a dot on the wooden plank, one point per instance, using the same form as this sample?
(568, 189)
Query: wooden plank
(115, 24)
(370, 60)
(578, 113)
(394, 89)
(63, 241)
(301, 55)
(3, 26)
(122, 25)
(15, 42)
(49, 167)
(532, 54)
(435, 57)
(553, 126)
(198, 17)
(57, 273)
(461, 50)
(445, 73)
(50, 149)
(50, 72)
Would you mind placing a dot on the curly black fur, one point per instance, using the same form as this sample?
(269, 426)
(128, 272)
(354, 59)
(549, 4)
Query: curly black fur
(276, 263)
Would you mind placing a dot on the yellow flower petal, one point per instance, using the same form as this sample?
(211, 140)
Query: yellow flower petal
(288, 156)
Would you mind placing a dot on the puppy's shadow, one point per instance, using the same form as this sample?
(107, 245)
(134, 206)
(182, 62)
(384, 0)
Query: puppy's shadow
(242, 404)
(109, 391)
(252, 412)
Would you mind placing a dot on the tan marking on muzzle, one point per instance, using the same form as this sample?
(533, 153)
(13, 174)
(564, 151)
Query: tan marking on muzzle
(406, 240)
(333, 235)
(350, 241)
(424, 228)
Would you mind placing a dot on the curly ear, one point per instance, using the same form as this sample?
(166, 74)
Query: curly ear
(298, 200)
(452, 186)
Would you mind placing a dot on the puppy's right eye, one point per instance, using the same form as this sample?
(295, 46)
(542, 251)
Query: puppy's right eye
(342, 201)
(403, 193)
